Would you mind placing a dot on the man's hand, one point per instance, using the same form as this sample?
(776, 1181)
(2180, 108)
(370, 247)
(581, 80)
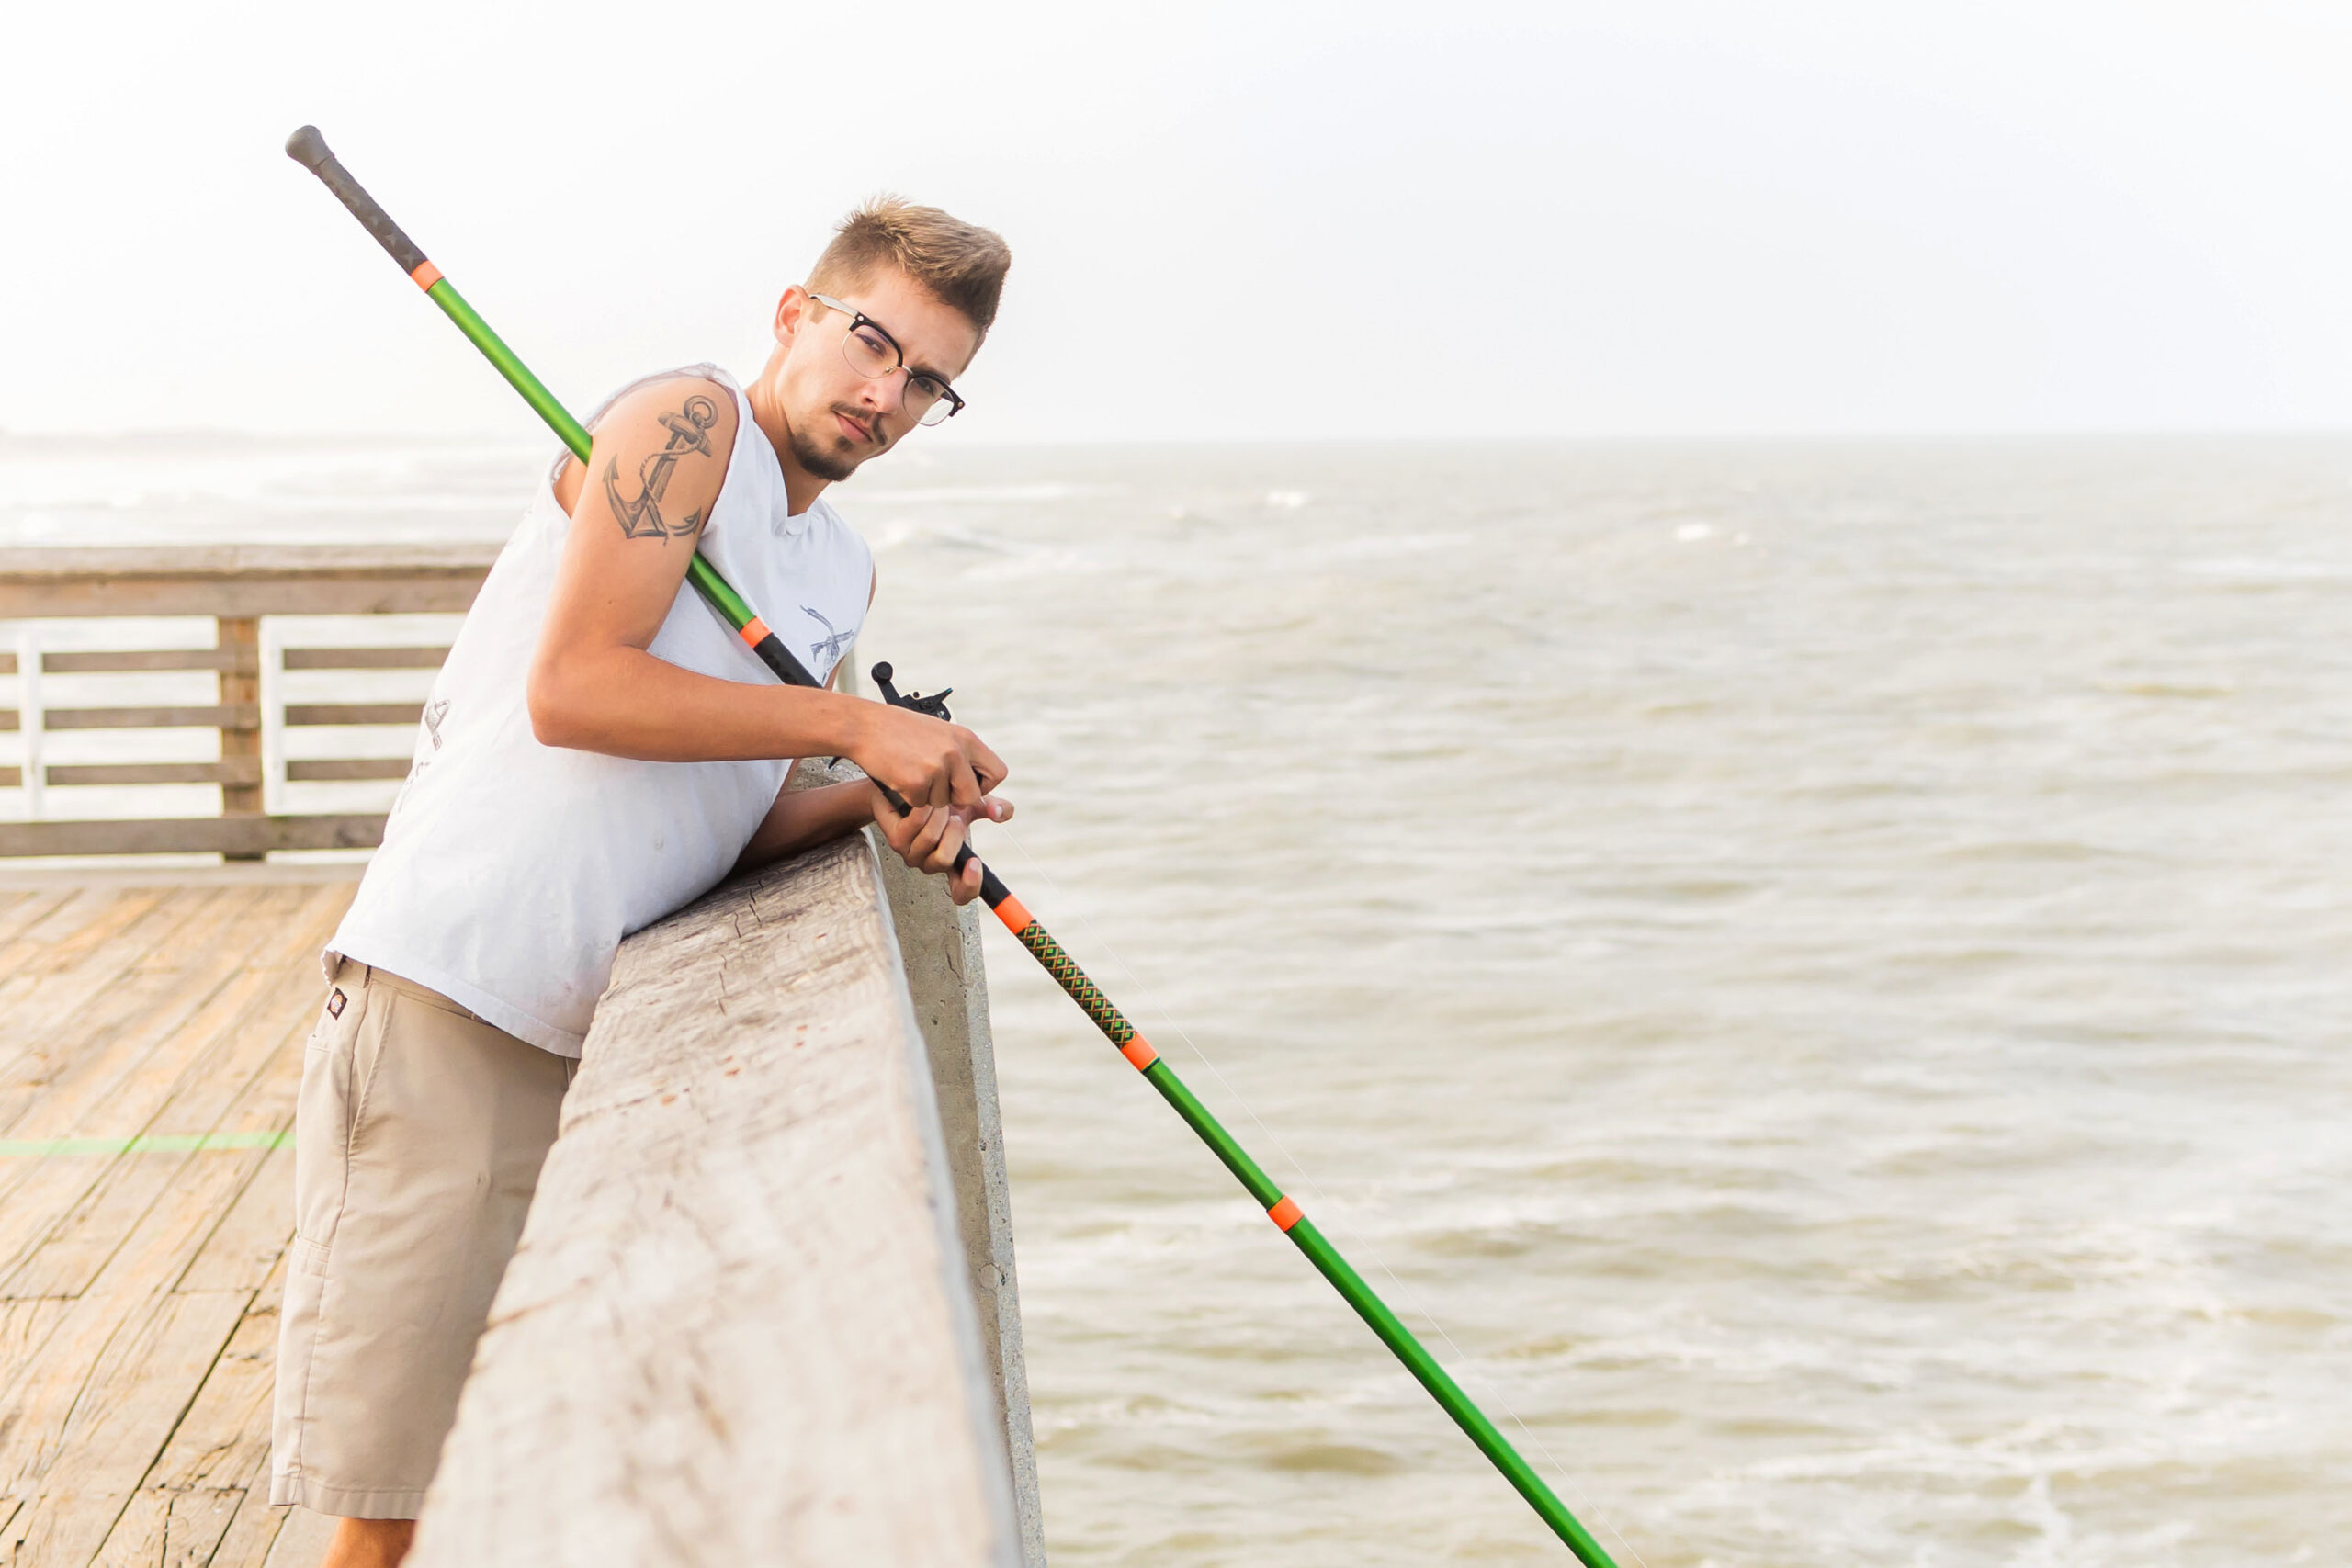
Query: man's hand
(928, 837)
(929, 762)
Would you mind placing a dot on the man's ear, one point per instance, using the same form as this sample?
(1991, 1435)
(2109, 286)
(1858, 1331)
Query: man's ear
(791, 313)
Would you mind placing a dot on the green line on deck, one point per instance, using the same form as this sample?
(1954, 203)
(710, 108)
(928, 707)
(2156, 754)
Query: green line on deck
(144, 1144)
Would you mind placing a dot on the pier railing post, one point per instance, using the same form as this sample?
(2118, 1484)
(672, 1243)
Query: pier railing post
(33, 774)
(239, 640)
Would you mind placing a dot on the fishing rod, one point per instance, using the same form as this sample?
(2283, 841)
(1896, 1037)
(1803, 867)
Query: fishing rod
(308, 148)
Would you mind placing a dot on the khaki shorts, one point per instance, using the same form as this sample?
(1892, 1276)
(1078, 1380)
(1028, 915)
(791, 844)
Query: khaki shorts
(417, 1144)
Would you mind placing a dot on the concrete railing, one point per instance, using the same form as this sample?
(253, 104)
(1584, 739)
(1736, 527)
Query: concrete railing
(764, 1308)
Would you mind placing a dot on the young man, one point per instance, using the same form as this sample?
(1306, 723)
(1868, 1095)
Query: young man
(599, 749)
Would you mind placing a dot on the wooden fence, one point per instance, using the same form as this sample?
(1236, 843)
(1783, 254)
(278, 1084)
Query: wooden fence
(239, 587)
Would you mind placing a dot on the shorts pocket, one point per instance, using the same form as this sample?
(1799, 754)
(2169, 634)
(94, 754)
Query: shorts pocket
(333, 1081)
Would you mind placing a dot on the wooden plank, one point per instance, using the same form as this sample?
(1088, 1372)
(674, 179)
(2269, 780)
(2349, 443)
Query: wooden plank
(72, 1249)
(224, 1437)
(303, 1540)
(737, 1329)
(76, 925)
(242, 580)
(64, 1080)
(177, 1001)
(366, 658)
(218, 1452)
(207, 716)
(55, 964)
(122, 1413)
(86, 1242)
(78, 1085)
(184, 835)
(125, 1318)
(233, 770)
(203, 1499)
(154, 1030)
(63, 1218)
(260, 967)
(47, 982)
(172, 1527)
(239, 688)
(11, 777)
(105, 1089)
(46, 563)
(28, 906)
(353, 713)
(7, 719)
(245, 1248)
(320, 769)
(242, 660)
(253, 1535)
(24, 1329)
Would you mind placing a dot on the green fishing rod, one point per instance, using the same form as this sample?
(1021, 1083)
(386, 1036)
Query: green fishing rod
(308, 148)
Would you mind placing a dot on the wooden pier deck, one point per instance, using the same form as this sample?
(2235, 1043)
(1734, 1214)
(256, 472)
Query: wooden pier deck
(151, 1028)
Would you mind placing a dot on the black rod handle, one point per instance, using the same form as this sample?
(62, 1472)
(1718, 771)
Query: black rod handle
(308, 148)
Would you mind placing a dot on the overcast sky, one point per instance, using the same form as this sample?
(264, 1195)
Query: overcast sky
(1262, 222)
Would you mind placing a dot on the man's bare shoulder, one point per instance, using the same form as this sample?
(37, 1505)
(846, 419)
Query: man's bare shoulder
(657, 404)
(661, 455)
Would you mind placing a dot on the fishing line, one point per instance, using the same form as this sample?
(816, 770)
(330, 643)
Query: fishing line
(1032, 865)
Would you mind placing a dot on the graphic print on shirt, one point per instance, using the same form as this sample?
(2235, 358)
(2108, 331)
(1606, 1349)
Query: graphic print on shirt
(827, 648)
(435, 712)
(689, 430)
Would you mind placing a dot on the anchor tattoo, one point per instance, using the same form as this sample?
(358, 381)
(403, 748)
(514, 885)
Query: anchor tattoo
(827, 648)
(689, 430)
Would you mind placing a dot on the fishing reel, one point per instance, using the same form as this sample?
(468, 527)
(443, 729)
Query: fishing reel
(934, 704)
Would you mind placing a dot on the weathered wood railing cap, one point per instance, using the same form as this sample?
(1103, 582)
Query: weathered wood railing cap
(739, 1329)
(242, 580)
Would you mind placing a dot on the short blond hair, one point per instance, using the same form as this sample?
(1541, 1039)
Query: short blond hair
(961, 264)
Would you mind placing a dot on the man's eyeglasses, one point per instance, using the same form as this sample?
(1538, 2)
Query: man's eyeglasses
(874, 354)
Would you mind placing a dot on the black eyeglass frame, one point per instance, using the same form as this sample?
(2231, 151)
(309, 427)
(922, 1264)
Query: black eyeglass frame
(858, 319)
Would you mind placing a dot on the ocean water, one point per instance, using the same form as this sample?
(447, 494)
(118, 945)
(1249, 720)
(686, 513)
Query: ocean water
(1821, 969)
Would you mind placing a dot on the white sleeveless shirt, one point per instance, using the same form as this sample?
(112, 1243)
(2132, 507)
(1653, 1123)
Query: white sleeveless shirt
(511, 870)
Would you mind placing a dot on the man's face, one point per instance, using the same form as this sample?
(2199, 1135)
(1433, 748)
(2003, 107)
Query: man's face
(837, 418)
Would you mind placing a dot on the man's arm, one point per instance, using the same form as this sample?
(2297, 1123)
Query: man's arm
(659, 458)
(926, 838)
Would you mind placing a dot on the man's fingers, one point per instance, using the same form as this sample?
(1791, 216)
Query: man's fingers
(900, 827)
(935, 827)
(968, 790)
(942, 856)
(988, 764)
(964, 885)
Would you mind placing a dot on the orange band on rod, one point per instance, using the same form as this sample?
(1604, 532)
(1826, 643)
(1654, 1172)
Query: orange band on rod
(1285, 1214)
(1139, 1052)
(1016, 919)
(426, 274)
(754, 632)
